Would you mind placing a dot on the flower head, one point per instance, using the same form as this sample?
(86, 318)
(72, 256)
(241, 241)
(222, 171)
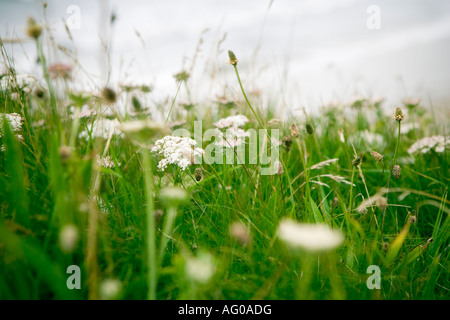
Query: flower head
(180, 151)
(233, 59)
(233, 137)
(425, 145)
(399, 115)
(231, 121)
(310, 237)
(15, 121)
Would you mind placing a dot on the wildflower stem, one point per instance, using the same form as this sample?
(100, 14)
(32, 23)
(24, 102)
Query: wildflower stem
(167, 231)
(246, 99)
(351, 189)
(51, 90)
(173, 102)
(398, 141)
(151, 247)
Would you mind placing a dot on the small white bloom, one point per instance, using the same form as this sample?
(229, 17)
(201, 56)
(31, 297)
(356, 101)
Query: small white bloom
(110, 289)
(200, 268)
(176, 150)
(68, 238)
(310, 237)
(233, 137)
(278, 167)
(15, 121)
(425, 145)
(106, 162)
(232, 121)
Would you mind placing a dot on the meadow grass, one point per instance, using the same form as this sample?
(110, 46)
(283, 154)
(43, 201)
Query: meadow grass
(123, 232)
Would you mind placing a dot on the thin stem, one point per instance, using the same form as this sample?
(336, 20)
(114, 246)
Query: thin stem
(246, 99)
(151, 247)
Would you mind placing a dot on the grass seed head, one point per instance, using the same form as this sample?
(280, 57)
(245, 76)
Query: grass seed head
(287, 142)
(381, 203)
(34, 30)
(233, 59)
(399, 115)
(309, 129)
(65, 153)
(377, 156)
(396, 170)
(109, 95)
(357, 161)
(294, 130)
(240, 233)
(198, 174)
(335, 202)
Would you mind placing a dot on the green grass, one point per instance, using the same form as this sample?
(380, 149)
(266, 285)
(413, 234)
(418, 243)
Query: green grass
(120, 237)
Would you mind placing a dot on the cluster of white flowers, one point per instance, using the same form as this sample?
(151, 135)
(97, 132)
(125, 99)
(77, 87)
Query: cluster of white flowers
(231, 121)
(102, 128)
(233, 137)
(310, 237)
(86, 114)
(15, 121)
(425, 145)
(106, 162)
(176, 150)
(201, 268)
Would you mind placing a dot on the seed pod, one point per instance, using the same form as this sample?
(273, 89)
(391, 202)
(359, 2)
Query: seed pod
(198, 174)
(357, 161)
(294, 130)
(381, 203)
(399, 115)
(396, 171)
(278, 167)
(136, 103)
(335, 202)
(109, 95)
(377, 156)
(65, 152)
(34, 30)
(287, 142)
(309, 129)
(412, 219)
(233, 59)
(240, 233)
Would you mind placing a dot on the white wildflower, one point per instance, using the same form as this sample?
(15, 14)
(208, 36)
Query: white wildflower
(68, 238)
(176, 150)
(310, 237)
(106, 162)
(86, 113)
(201, 268)
(406, 127)
(102, 128)
(232, 121)
(110, 289)
(341, 135)
(278, 167)
(15, 121)
(425, 145)
(233, 137)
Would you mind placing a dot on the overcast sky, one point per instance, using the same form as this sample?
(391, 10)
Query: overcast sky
(308, 52)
